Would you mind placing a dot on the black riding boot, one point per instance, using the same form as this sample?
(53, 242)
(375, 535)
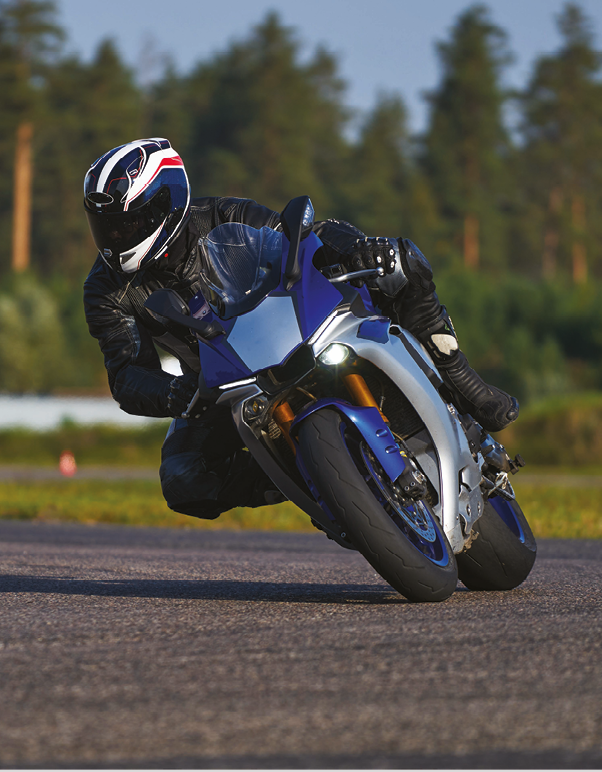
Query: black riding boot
(418, 310)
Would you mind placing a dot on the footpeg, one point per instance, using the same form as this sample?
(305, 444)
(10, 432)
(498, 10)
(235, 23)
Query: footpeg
(517, 463)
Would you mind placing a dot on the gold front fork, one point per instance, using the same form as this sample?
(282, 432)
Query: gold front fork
(360, 393)
(358, 390)
(284, 417)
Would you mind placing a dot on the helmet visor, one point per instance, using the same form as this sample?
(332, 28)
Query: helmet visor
(118, 232)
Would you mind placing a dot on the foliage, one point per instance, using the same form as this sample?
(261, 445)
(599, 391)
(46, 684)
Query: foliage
(262, 124)
(90, 108)
(560, 432)
(379, 190)
(33, 351)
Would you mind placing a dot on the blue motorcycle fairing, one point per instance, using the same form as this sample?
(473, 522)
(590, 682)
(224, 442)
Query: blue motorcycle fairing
(220, 363)
(375, 329)
(370, 424)
(367, 298)
(313, 295)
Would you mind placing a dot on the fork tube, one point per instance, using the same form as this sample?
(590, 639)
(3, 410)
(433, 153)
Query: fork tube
(360, 393)
(284, 417)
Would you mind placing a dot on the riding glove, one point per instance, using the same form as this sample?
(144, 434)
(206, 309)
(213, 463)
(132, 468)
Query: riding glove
(368, 253)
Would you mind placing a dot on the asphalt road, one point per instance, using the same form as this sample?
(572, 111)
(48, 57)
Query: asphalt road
(124, 647)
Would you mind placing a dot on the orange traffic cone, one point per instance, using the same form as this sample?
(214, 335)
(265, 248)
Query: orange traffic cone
(67, 465)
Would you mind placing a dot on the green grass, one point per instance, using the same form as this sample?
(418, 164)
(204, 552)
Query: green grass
(552, 511)
(130, 503)
(100, 444)
(559, 432)
(556, 512)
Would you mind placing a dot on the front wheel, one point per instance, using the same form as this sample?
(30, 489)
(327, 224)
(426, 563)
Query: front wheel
(503, 551)
(402, 540)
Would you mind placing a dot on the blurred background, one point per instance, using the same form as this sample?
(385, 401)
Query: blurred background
(474, 130)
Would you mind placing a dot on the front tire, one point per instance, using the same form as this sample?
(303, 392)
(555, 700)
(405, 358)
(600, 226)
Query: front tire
(503, 552)
(405, 544)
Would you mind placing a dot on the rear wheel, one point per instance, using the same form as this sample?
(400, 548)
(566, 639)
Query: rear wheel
(401, 539)
(503, 551)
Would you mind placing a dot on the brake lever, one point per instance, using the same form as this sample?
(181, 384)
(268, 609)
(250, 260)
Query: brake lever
(192, 403)
(203, 393)
(357, 275)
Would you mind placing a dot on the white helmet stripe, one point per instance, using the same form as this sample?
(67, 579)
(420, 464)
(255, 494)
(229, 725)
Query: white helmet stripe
(110, 164)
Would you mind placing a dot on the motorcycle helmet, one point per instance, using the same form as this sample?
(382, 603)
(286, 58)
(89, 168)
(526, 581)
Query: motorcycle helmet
(137, 200)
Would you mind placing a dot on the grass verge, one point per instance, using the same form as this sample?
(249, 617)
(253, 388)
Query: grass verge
(554, 512)
(126, 502)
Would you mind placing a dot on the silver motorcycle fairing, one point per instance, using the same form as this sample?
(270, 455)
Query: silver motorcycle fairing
(449, 464)
(236, 398)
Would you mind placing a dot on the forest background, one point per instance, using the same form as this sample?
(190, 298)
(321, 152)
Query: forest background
(502, 190)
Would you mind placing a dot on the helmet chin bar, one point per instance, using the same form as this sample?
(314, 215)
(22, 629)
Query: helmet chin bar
(130, 261)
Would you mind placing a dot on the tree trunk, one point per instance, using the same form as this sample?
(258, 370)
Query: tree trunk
(471, 242)
(551, 238)
(22, 198)
(578, 251)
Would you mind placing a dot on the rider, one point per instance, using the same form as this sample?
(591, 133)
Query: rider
(147, 228)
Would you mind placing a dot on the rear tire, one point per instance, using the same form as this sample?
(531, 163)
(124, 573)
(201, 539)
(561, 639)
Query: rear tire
(416, 560)
(503, 552)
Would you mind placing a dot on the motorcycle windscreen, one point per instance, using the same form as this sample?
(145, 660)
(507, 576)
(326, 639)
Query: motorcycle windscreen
(240, 266)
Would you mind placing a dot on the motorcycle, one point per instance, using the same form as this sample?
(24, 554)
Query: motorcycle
(346, 413)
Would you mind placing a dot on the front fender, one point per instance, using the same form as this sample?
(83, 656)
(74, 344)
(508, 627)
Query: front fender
(369, 423)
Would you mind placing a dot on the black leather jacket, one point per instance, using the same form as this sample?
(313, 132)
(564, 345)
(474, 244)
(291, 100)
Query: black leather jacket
(126, 332)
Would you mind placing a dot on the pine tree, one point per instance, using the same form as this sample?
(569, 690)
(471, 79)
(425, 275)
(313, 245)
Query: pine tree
(168, 109)
(90, 108)
(29, 39)
(388, 194)
(265, 125)
(466, 147)
(562, 155)
(379, 170)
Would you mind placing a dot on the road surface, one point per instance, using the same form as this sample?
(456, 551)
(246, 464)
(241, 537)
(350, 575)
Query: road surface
(124, 647)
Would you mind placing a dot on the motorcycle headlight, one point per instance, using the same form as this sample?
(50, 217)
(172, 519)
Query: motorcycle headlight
(334, 354)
